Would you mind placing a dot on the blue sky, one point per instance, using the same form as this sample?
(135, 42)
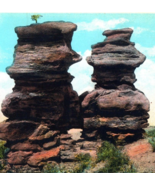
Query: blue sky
(89, 32)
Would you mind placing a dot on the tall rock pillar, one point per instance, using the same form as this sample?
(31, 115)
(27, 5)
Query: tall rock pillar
(115, 108)
(43, 104)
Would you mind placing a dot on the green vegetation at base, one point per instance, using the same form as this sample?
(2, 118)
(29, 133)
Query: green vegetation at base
(116, 161)
(52, 168)
(113, 159)
(150, 135)
(152, 142)
(2, 149)
(84, 161)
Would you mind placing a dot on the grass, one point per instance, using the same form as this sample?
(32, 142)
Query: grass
(151, 138)
(115, 161)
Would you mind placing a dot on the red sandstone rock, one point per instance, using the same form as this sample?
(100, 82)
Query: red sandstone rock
(65, 136)
(138, 148)
(51, 144)
(26, 146)
(122, 123)
(126, 100)
(39, 157)
(49, 134)
(17, 129)
(19, 157)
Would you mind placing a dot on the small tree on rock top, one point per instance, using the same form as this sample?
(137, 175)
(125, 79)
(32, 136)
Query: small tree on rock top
(35, 17)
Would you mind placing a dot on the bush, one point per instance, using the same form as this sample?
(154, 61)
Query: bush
(150, 133)
(2, 149)
(152, 142)
(116, 161)
(84, 162)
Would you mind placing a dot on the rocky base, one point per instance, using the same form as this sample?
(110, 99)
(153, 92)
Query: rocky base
(140, 153)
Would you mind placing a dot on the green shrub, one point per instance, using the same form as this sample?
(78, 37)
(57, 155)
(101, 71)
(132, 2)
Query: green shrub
(150, 133)
(84, 162)
(51, 168)
(152, 142)
(2, 149)
(116, 161)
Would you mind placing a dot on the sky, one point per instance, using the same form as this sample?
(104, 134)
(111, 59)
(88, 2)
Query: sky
(90, 27)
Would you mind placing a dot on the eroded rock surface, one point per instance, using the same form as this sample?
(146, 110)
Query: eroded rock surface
(115, 104)
(43, 105)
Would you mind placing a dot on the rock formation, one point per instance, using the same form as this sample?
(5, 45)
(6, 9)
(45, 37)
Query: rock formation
(115, 108)
(43, 105)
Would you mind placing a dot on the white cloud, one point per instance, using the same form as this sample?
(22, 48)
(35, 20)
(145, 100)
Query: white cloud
(98, 24)
(139, 30)
(3, 55)
(145, 75)
(82, 73)
(149, 52)
(6, 85)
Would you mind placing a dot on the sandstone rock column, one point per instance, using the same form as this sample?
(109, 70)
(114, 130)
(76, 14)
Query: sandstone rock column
(43, 104)
(115, 107)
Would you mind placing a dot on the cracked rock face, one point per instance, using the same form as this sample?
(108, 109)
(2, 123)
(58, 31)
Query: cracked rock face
(42, 85)
(115, 103)
(43, 103)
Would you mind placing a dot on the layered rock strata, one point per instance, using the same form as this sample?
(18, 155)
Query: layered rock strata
(115, 107)
(43, 105)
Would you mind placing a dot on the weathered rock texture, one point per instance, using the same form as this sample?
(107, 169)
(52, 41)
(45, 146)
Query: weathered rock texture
(43, 105)
(115, 105)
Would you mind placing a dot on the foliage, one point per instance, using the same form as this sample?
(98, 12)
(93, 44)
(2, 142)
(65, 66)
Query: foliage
(52, 168)
(35, 17)
(2, 149)
(84, 162)
(150, 133)
(116, 161)
(152, 142)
